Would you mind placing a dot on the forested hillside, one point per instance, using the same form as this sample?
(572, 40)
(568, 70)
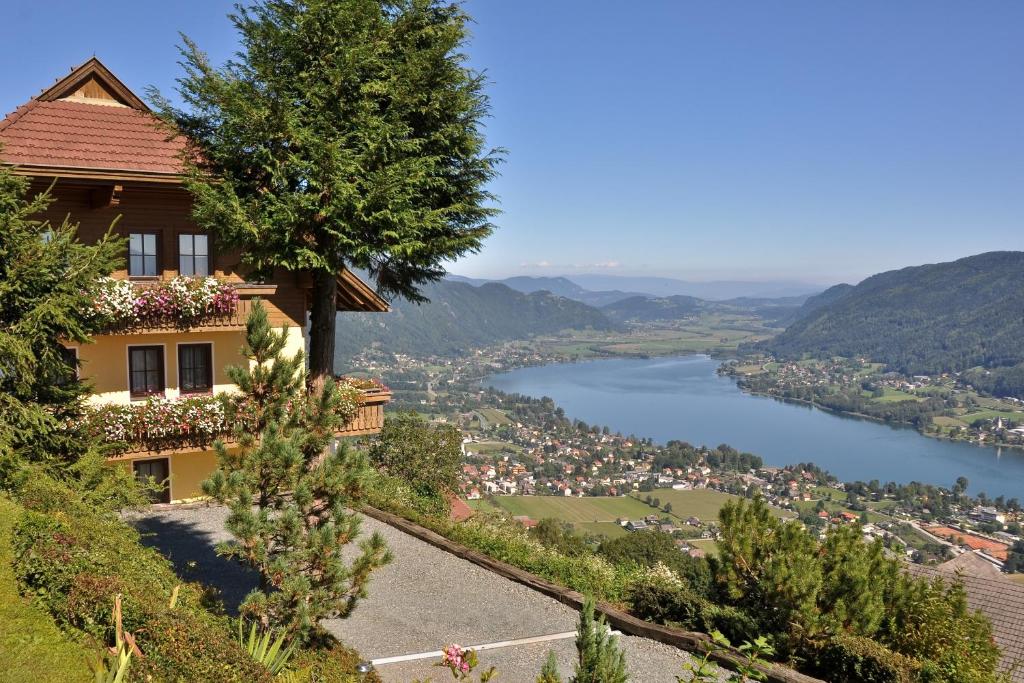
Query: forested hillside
(926, 319)
(642, 308)
(460, 316)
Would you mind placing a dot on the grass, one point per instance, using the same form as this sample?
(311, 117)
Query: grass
(494, 416)
(574, 510)
(708, 545)
(609, 529)
(492, 447)
(890, 395)
(701, 503)
(34, 648)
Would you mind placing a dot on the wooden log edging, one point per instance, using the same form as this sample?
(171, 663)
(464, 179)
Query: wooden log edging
(690, 641)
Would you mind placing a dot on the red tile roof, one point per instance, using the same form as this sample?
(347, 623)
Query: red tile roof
(76, 134)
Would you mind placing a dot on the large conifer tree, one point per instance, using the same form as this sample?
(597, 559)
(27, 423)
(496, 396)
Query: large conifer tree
(344, 133)
(46, 276)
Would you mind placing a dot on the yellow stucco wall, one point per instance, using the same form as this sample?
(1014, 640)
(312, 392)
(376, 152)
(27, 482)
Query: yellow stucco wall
(188, 470)
(105, 364)
(105, 361)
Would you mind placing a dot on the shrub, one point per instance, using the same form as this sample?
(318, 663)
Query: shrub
(336, 664)
(855, 659)
(73, 559)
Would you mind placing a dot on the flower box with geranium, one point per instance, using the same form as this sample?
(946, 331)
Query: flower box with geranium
(180, 303)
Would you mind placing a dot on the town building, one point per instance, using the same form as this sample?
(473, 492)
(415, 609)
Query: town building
(107, 157)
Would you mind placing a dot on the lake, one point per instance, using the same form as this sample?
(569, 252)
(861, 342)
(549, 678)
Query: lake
(683, 398)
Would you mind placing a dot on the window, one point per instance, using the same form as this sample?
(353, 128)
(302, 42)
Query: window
(146, 370)
(193, 254)
(195, 368)
(158, 472)
(142, 255)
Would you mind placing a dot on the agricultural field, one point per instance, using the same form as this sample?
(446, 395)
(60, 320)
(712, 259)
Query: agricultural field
(574, 510)
(492, 447)
(494, 416)
(701, 503)
(711, 333)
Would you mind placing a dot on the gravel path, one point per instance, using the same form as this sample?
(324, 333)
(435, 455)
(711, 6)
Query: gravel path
(424, 600)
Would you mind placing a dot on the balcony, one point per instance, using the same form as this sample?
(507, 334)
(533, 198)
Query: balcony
(164, 427)
(179, 304)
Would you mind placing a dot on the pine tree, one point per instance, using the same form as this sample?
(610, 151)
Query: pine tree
(549, 672)
(343, 134)
(46, 276)
(600, 660)
(289, 496)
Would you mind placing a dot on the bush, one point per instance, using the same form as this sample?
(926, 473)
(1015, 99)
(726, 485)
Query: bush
(74, 560)
(854, 659)
(335, 664)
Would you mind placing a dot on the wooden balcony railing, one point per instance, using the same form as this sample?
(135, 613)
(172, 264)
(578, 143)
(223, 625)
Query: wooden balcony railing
(370, 417)
(223, 323)
(368, 420)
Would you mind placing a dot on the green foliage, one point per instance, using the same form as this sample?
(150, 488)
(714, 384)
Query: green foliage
(264, 648)
(804, 595)
(333, 663)
(650, 549)
(342, 134)
(46, 275)
(289, 497)
(856, 659)
(558, 535)
(33, 648)
(755, 655)
(114, 667)
(927, 319)
(427, 456)
(600, 660)
(72, 558)
(549, 672)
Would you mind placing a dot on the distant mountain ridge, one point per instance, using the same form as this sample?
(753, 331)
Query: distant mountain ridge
(924, 319)
(461, 316)
(556, 285)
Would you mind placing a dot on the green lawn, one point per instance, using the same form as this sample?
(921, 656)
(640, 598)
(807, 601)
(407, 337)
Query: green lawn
(574, 510)
(494, 416)
(491, 447)
(33, 648)
(709, 546)
(701, 503)
(609, 529)
(895, 396)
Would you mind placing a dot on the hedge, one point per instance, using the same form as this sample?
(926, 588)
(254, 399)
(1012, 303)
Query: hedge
(73, 560)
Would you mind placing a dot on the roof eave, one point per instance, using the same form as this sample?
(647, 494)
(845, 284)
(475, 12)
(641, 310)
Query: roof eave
(87, 173)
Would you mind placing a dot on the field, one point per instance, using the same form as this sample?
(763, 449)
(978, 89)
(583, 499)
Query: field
(703, 504)
(710, 333)
(574, 510)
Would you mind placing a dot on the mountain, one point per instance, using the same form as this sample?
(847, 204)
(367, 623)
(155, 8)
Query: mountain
(646, 309)
(925, 319)
(556, 285)
(460, 316)
(713, 291)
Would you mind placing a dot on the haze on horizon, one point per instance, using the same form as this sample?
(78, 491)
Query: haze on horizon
(811, 142)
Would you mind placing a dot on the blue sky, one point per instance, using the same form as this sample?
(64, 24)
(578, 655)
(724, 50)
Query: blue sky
(819, 141)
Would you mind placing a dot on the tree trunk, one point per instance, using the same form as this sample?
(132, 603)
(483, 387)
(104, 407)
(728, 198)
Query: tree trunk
(322, 321)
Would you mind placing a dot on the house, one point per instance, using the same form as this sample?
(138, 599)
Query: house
(638, 525)
(101, 146)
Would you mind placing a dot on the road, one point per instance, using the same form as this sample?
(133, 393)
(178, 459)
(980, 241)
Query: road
(423, 601)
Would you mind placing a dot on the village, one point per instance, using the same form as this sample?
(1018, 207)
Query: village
(525, 458)
(944, 405)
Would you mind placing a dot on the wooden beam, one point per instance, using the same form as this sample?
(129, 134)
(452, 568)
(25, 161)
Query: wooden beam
(106, 197)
